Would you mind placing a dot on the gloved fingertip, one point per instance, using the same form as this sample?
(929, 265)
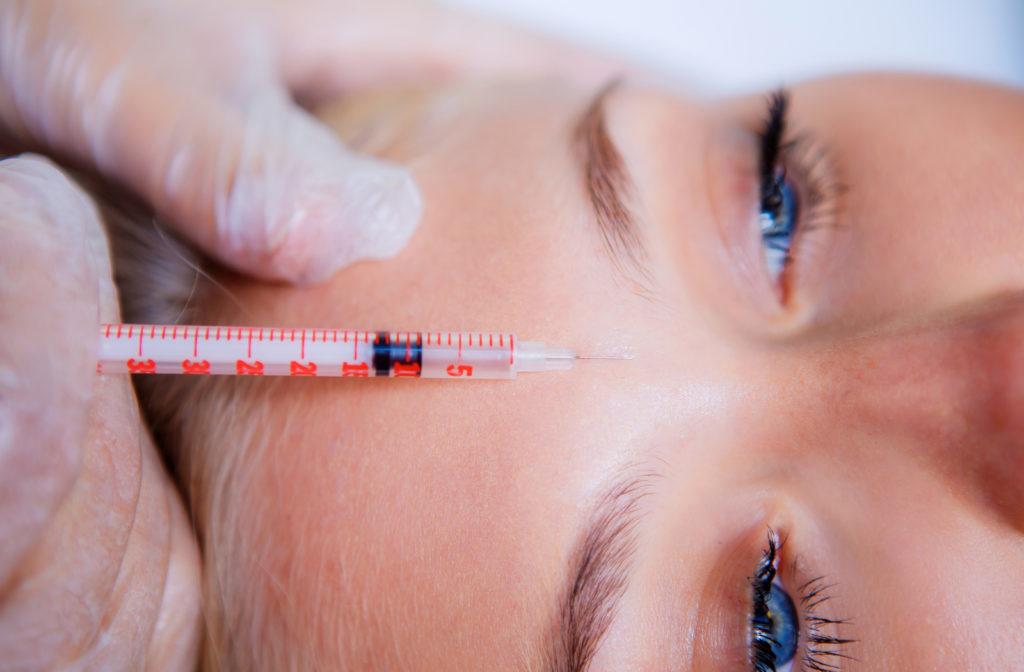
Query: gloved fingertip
(41, 203)
(380, 208)
(36, 191)
(48, 268)
(355, 209)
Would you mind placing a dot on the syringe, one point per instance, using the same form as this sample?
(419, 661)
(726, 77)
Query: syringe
(348, 353)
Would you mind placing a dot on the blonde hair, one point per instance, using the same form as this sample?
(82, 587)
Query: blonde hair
(160, 280)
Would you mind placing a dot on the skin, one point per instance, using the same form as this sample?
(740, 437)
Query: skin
(867, 411)
(100, 568)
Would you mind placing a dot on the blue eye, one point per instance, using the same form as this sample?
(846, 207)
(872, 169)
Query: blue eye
(776, 626)
(784, 625)
(780, 210)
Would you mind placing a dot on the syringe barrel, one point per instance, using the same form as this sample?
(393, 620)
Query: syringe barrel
(168, 349)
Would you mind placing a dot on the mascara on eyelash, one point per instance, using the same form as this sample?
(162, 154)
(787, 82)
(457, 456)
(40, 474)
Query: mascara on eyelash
(765, 648)
(798, 193)
(771, 145)
(779, 213)
(821, 649)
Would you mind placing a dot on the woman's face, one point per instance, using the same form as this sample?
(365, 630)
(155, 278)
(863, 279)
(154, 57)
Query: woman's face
(863, 400)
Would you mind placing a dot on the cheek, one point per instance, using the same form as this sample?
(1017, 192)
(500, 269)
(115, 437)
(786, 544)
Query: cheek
(941, 586)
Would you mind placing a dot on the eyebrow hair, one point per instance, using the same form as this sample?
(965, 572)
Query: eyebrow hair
(609, 190)
(599, 574)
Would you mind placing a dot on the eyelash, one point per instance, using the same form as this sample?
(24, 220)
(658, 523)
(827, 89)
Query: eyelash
(820, 649)
(805, 162)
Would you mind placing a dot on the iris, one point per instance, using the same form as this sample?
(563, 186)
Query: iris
(780, 209)
(785, 627)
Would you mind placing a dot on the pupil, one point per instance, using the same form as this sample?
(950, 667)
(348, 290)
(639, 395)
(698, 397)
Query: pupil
(779, 209)
(783, 618)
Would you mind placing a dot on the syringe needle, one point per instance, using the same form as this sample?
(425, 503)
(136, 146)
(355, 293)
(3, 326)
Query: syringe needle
(604, 356)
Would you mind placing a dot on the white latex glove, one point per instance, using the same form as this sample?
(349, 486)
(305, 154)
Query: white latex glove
(98, 563)
(190, 103)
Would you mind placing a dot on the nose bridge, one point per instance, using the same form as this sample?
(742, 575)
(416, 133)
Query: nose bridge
(997, 354)
(951, 395)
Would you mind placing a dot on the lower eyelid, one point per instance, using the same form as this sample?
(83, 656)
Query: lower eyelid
(814, 594)
(809, 165)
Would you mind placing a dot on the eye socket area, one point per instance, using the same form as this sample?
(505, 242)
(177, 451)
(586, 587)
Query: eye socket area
(777, 211)
(735, 193)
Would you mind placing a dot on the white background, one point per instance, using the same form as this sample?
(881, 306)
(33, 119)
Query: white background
(725, 46)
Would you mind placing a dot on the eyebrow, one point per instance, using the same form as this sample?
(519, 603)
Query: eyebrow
(598, 576)
(609, 189)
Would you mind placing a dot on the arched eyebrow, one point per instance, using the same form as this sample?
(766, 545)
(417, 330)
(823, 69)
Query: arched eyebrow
(599, 574)
(609, 189)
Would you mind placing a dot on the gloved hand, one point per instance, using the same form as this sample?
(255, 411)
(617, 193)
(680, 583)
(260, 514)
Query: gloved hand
(190, 103)
(98, 563)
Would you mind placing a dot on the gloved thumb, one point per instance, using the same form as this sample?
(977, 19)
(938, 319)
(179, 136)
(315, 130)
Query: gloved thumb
(259, 183)
(48, 301)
